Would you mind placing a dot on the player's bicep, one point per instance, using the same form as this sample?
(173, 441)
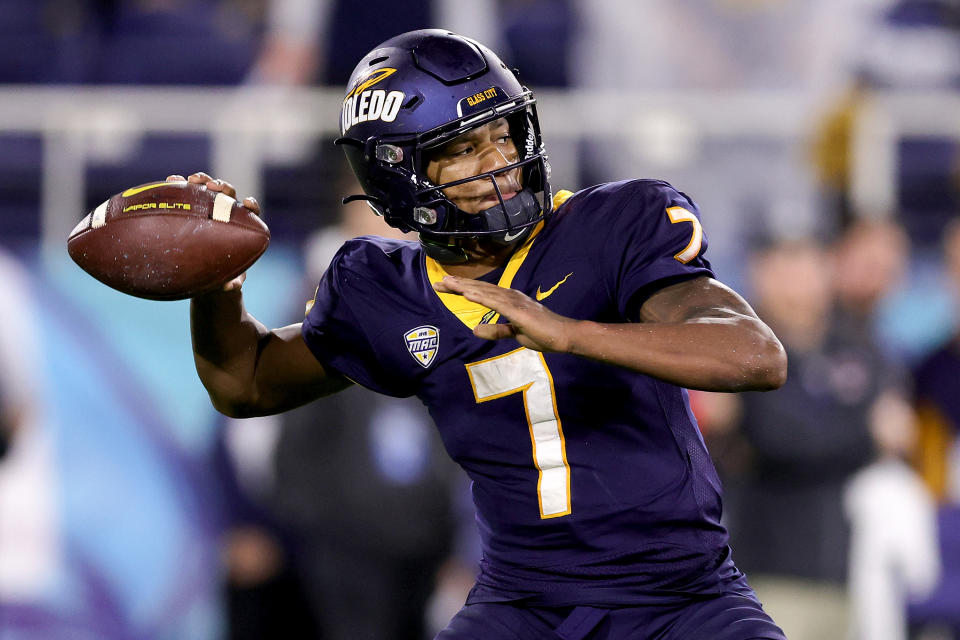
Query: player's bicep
(288, 375)
(695, 299)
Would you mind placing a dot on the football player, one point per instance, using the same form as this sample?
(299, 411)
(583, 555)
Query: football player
(551, 336)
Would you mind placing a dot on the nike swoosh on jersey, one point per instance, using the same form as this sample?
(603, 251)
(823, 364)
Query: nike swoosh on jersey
(135, 190)
(543, 294)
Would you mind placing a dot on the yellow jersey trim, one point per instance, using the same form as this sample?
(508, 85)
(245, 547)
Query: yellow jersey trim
(560, 197)
(473, 313)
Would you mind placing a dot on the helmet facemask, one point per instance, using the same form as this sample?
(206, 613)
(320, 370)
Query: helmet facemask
(414, 203)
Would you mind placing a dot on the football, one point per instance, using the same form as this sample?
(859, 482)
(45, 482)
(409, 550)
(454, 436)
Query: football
(168, 240)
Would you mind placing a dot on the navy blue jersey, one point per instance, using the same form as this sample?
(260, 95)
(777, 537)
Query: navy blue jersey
(591, 482)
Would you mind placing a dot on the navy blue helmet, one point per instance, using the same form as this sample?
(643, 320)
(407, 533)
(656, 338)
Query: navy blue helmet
(417, 91)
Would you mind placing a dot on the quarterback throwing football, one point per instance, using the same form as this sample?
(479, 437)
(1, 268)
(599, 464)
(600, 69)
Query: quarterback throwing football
(551, 336)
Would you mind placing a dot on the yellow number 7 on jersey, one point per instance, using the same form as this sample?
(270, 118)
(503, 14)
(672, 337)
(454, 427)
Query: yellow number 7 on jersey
(679, 214)
(525, 371)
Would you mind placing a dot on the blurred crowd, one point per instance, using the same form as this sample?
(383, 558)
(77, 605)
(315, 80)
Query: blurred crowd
(129, 509)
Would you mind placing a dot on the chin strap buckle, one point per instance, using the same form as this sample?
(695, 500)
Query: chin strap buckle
(444, 253)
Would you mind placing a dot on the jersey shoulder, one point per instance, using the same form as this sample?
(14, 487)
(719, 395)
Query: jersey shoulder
(375, 252)
(629, 213)
(367, 275)
(375, 265)
(637, 236)
(632, 197)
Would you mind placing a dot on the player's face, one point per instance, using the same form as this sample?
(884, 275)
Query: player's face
(487, 148)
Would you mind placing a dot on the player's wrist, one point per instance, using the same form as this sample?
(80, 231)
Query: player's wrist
(586, 338)
(573, 340)
(219, 297)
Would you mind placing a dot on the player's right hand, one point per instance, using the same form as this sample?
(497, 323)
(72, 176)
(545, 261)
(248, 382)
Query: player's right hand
(215, 184)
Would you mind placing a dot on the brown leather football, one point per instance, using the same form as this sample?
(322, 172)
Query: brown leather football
(168, 240)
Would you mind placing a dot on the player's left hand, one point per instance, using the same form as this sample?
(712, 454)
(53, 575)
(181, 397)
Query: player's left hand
(529, 322)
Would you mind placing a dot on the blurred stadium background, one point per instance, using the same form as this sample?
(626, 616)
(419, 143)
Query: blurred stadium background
(130, 509)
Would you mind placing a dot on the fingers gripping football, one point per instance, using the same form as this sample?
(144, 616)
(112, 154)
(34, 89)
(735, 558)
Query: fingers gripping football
(222, 186)
(216, 184)
(529, 322)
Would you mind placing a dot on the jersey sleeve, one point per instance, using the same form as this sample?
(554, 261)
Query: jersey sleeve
(334, 331)
(656, 239)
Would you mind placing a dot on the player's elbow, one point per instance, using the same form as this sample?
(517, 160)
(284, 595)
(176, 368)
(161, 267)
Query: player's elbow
(232, 403)
(766, 369)
(754, 365)
(778, 373)
(229, 395)
(234, 407)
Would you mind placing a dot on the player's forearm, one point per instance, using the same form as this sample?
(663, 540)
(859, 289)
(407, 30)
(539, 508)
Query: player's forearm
(732, 353)
(226, 341)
